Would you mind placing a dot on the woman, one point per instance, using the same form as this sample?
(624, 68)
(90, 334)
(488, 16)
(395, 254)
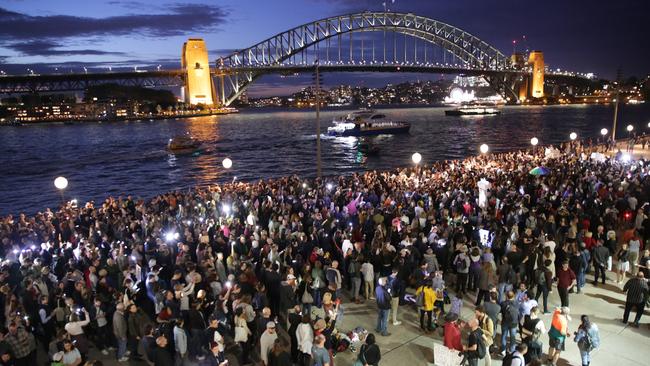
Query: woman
(279, 355)
(588, 339)
(75, 328)
(623, 263)
(242, 335)
(305, 338)
(369, 354)
(71, 355)
(427, 298)
(486, 280)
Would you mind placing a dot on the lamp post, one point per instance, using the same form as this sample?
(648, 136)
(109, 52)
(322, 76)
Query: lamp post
(227, 163)
(484, 149)
(573, 136)
(603, 131)
(417, 158)
(61, 183)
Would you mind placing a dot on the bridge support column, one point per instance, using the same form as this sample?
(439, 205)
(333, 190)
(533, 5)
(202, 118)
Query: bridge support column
(199, 87)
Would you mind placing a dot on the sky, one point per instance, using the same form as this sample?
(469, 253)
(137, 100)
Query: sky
(580, 35)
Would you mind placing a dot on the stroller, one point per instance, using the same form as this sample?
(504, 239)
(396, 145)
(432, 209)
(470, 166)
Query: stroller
(352, 340)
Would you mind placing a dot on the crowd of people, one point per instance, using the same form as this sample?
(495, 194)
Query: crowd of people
(262, 272)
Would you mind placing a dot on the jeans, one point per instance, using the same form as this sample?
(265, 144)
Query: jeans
(599, 271)
(564, 295)
(394, 304)
(121, 347)
(542, 290)
(639, 311)
(356, 286)
(461, 283)
(586, 357)
(503, 288)
(580, 279)
(382, 321)
(505, 332)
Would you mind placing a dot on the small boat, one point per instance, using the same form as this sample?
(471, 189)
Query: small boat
(473, 110)
(183, 145)
(366, 123)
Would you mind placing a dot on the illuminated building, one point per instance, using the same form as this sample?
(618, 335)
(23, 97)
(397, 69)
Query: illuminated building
(199, 88)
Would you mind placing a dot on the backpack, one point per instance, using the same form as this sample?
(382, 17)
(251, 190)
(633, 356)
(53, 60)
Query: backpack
(419, 300)
(507, 360)
(511, 314)
(540, 277)
(480, 345)
(461, 264)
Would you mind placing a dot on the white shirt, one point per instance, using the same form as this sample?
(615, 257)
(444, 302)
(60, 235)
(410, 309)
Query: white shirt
(347, 244)
(305, 337)
(368, 272)
(266, 344)
(76, 328)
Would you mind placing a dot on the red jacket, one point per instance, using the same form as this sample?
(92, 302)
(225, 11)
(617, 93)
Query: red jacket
(452, 336)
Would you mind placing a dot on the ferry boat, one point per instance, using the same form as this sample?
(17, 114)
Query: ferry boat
(183, 145)
(473, 110)
(366, 123)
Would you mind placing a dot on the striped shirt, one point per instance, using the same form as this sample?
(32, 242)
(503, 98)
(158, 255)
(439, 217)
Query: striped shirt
(637, 290)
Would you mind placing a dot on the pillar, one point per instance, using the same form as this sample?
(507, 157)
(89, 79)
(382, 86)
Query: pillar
(199, 88)
(536, 60)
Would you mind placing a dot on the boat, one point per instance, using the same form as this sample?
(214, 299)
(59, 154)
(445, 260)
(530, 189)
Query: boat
(183, 145)
(366, 123)
(473, 110)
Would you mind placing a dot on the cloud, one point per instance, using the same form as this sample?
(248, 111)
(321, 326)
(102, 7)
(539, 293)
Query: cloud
(49, 48)
(179, 19)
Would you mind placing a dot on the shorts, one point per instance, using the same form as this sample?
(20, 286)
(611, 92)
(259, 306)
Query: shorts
(624, 266)
(556, 343)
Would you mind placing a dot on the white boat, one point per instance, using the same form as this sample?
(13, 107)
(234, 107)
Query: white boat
(366, 122)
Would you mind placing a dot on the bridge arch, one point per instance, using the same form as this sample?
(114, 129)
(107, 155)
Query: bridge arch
(274, 51)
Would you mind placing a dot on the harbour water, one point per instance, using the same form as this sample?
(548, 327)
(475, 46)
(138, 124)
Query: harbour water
(102, 159)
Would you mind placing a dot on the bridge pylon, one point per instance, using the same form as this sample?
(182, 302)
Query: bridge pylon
(199, 88)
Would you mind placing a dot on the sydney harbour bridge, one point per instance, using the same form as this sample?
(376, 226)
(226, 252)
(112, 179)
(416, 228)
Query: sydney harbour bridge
(361, 42)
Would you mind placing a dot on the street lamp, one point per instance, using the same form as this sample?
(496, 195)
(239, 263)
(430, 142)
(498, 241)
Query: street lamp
(417, 158)
(534, 141)
(484, 149)
(648, 124)
(227, 163)
(603, 131)
(573, 136)
(61, 183)
(630, 128)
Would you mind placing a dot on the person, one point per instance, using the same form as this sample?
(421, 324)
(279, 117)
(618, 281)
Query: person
(279, 355)
(517, 358)
(566, 279)
(369, 354)
(395, 288)
(487, 326)
(486, 279)
(623, 265)
(22, 344)
(320, 355)
(74, 327)
(428, 296)
(493, 310)
(383, 303)
(305, 339)
(588, 339)
(471, 351)
(452, 332)
(557, 334)
(135, 326)
(368, 272)
(461, 263)
(636, 297)
(267, 340)
(71, 355)
(600, 257)
(242, 335)
(531, 333)
(119, 331)
(216, 356)
(161, 356)
(509, 323)
(544, 277)
(180, 342)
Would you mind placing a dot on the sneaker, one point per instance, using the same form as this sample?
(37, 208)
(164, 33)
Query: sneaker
(127, 353)
(397, 323)
(105, 352)
(386, 334)
(502, 353)
(123, 359)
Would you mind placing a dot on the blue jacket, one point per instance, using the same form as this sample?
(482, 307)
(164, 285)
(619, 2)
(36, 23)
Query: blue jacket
(383, 298)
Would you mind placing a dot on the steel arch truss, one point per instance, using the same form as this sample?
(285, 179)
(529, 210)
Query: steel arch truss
(474, 53)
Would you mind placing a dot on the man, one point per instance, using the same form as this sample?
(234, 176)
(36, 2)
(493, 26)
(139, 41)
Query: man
(492, 309)
(287, 298)
(22, 344)
(509, 323)
(266, 342)
(517, 358)
(558, 333)
(473, 339)
(531, 333)
(637, 294)
(462, 270)
(119, 330)
(136, 322)
(180, 343)
(600, 255)
(320, 355)
(395, 288)
(384, 304)
(334, 280)
(566, 279)
(160, 355)
(487, 326)
(148, 343)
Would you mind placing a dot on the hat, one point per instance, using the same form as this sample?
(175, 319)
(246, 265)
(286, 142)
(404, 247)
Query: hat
(57, 356)
(320, 324)
(290, 277)
(327, 298)
(270, 325)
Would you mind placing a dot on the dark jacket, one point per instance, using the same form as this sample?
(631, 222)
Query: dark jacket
(287, 296)
(383, 298)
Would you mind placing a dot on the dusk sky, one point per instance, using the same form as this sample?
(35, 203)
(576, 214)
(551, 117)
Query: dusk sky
(586, 36)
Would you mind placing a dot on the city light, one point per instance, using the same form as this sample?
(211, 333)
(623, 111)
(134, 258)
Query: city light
(417, 158)
(225, 209)
(534, 141)
(171, 235)
(329, 186)
(573, 135)
(484, 149)
(630, 128)
(61, 183)
(626, 158)
(603, 131)
(227, 163)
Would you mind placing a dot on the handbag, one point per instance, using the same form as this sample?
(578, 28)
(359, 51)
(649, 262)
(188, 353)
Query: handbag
(307, 298)
(241, 335)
